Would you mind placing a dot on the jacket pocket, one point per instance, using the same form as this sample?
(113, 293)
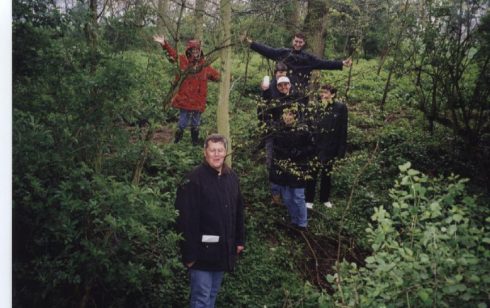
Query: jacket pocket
(210, 251)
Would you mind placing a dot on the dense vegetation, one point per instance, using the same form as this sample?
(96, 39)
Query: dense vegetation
(94, 173)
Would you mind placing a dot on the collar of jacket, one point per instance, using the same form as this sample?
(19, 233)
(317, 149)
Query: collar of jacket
(224, 170)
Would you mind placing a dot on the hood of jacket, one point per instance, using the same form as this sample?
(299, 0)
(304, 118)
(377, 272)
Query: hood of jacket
(193, 44)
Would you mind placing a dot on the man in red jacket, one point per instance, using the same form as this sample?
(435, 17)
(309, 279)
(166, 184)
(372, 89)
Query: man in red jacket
(191, 95)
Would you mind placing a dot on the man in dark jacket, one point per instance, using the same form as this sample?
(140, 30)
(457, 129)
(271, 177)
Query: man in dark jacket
(299, 62)
(270, 90)
(211, 219)
(328, 124)
(292, 148)
(270, 114)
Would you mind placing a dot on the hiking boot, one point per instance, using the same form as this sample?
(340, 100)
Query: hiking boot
(178, 135)
(195, 136)
(300, 228)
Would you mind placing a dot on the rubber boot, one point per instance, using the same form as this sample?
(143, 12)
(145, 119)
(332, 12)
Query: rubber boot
(178, 135)
(195, 136)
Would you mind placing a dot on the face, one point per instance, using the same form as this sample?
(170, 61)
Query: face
(326, 95)
(284, 87)
(196, 53)
(215, 155)
(288, 117)
(281, 74)
(298, 43)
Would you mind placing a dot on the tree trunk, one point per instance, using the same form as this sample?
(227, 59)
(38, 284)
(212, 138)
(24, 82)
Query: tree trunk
(387, 88)
(162, 14)
(91, 37)
(199, 19)
(315, 29)
(224, 86)
(292, 17)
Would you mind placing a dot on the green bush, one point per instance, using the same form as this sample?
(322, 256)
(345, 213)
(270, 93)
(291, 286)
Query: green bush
(427, 251)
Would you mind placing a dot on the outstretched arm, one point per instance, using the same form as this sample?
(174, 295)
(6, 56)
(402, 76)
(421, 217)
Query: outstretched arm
(159, 39)
(172, 53)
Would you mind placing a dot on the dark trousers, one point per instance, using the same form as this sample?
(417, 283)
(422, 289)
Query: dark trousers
(325, 184)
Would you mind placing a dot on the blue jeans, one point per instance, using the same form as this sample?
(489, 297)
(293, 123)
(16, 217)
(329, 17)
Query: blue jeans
(204, 288)
(185, 116)
(294, 199)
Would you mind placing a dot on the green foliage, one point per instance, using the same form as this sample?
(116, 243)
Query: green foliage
(428, 250)
(99, 240)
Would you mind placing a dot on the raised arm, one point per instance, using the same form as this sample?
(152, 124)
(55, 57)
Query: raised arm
(172, 53)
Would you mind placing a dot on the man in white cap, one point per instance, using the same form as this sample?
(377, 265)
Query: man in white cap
(270, 113)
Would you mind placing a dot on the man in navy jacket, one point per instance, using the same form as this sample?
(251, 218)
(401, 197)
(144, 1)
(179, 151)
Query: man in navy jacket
(299, 62)
(328, 123)
(211, 220)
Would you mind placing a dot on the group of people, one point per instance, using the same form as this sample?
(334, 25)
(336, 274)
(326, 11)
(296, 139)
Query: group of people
(303, 134)
(299, 130)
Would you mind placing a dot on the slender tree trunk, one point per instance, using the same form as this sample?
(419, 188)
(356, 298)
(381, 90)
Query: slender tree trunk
(387, 88)
(315, 28)
(199, 19)
(247, 62)
(162, 13)
(91, 37)
(433, 110)
(293, 17)
(224, 86)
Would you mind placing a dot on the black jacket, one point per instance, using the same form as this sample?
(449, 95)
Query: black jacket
(210, 204)
(271, 106)
(300, 63)
(292, 149)
(329, 128)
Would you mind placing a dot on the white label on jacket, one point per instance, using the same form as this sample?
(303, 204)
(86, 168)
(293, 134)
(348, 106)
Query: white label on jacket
(210, 238)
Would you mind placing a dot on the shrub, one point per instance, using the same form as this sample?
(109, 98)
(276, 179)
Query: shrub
(427, 251)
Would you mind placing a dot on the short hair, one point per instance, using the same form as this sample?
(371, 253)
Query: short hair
(300, 35)
(280, 67)
(329, 88)
(216, 138)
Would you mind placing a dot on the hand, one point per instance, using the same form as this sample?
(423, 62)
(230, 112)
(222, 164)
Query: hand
(347, 62)
(245, 39)
(264, 87)
(239, 249)
(159, 39)
(190, 264)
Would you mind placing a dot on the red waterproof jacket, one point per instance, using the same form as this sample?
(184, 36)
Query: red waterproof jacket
(193, 90)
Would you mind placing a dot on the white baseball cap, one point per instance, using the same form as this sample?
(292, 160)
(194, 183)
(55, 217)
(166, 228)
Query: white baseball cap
(283, 79)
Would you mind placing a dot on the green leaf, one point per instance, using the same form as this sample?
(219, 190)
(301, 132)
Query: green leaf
(370, 259)
(405, 166)
(424, 296)
(413, 172)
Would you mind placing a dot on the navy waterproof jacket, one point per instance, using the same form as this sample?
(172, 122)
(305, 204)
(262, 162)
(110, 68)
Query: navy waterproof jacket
(328, 125)
(210, 204)
(300, 63)
(292, 149)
